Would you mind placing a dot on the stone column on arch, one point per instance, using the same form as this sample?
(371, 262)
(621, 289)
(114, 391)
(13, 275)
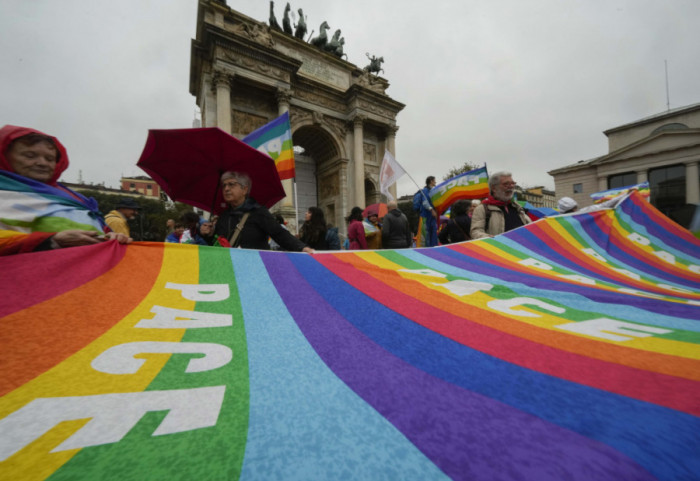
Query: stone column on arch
(641, 176)
(222, 85)
(692, 183)
(283, 97)
(359, 159)
(391, 147)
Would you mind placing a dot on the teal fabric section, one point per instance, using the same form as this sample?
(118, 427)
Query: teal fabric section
(305, 423)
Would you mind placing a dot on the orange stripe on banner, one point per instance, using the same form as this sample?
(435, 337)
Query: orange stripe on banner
(29, 337)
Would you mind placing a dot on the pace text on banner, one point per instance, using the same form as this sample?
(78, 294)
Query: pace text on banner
(470, 185)
(390, 172)
(275, 139)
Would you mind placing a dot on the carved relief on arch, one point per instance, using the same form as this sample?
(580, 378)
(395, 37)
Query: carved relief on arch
(256, 65)
(244, 123)
(319, 100)
(370, 153)
(329, 185)
(254, 31)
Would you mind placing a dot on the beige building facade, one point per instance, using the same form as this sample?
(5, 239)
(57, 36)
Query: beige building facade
(663, 149)
(245, 74)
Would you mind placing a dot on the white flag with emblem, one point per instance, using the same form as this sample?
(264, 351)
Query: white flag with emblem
(390, 172)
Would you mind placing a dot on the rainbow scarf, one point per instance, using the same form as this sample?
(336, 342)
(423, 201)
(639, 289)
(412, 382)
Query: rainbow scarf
(566, 349)
(31, 206)
(470, 185)
(275, 140)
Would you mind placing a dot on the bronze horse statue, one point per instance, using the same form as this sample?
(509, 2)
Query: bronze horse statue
(334, 42)
(300, 31)
(322, 38)
(273, 20)
(286, 23)
(375, 64)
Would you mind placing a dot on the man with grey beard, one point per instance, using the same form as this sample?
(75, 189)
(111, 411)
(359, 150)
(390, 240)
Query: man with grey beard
(498, 213)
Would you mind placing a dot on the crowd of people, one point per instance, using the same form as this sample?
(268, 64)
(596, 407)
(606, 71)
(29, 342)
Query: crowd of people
(54, 216)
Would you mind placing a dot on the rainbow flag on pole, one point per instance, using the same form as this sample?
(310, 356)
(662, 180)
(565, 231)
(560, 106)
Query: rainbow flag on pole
(470, 185)
(600, 197)
(275, 140)
(565, 349)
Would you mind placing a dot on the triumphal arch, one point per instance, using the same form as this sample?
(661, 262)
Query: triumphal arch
(244, 73)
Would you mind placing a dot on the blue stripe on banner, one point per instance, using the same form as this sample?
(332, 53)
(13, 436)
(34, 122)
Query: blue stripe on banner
(669, 454)
(302, 416)
(660, 239)
(641, 219)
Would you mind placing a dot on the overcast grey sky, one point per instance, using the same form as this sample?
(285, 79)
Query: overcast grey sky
(525, 86)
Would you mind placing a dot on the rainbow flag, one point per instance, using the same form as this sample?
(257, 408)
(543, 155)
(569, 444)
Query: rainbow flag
(565, 349)
(470, 185)
(606, 195)
(275, 140)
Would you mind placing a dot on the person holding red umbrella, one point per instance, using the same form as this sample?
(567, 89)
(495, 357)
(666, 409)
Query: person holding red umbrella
(246, 223)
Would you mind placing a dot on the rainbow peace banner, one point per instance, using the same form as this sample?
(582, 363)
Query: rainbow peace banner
(275, 140)
(606, 195)
(566, 349)
(470, 185)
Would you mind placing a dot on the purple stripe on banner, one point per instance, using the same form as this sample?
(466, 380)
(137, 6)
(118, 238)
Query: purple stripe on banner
(467, 435)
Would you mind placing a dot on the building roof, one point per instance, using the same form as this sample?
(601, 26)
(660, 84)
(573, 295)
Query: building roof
(654, 118)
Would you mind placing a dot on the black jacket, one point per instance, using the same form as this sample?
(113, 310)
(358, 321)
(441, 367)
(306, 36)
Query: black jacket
(396, 233)
(257, 228)
(452, 233)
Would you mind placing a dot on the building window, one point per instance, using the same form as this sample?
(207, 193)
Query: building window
(667, 185)
(622, 180)
(578, 188)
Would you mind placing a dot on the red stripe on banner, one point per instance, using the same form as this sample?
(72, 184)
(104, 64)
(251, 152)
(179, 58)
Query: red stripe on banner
(29, 337)
(27, 269)
(404, 296)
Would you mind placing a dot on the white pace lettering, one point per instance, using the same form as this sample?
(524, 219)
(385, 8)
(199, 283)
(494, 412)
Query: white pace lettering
(111, 416)
(665, 256)
(639, 239)
(507, 305)
(535, 263)
(598, 328)
(593, 254)
(201, 292)
(577, 278)
(424, 272)
(627, 273)
(121, 359)
(167, 318)
(462, 287)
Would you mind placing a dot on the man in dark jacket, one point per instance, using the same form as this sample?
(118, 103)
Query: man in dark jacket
(253, 221)
(396, 233)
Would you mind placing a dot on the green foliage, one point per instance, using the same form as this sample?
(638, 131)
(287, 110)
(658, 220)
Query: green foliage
(150, 224)
(455, 171)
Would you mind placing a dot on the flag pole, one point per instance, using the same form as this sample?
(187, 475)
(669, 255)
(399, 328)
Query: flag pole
(296, 204)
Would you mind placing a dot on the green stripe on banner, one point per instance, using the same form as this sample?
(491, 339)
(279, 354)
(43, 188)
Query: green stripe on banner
(209, 453)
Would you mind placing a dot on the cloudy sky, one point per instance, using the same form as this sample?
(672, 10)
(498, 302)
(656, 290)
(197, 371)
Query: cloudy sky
(525, 86)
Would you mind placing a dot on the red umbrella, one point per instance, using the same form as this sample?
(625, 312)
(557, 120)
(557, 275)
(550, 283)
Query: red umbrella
(188, 163)
(379, 209)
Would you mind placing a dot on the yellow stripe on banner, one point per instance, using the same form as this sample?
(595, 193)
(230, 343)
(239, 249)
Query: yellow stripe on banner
(76, 377)
(544, 319)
